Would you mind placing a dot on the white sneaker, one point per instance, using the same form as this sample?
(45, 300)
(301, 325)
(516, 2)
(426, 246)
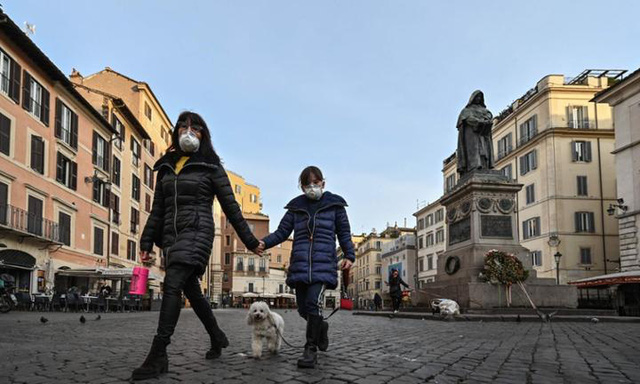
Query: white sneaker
(395, 311)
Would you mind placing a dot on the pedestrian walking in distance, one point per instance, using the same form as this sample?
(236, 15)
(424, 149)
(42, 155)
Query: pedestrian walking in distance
(377, 300)
(316, 218)
(189, 176)
(395, 289)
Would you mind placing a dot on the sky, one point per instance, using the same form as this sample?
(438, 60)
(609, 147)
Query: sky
(367, 90)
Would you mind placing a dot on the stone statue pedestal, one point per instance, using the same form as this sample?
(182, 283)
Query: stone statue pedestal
(481, 215)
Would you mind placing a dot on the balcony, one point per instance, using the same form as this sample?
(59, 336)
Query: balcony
(504, 153)
(582, 124)
(526, 138)
(29, 225)
(252, 268)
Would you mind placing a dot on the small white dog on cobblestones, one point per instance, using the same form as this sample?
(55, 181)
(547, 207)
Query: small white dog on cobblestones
(264, 323)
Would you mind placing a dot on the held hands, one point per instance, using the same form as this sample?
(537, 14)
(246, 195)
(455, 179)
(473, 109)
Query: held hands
(346, 264)
(259, 249)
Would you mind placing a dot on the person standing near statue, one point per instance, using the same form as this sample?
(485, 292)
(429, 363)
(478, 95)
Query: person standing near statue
(475, 147)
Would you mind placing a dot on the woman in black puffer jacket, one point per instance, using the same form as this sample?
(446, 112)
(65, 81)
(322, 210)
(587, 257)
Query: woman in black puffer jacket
(181, 224)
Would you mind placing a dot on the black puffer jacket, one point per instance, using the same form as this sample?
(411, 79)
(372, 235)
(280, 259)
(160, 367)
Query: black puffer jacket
(181, 219)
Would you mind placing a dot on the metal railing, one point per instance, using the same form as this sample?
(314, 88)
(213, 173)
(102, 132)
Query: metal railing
(582, 124)
(21, 220)
(525, 139)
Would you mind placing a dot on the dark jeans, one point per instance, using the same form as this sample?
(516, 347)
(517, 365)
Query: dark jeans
(396, 302)
(309, 299)
(181, 278)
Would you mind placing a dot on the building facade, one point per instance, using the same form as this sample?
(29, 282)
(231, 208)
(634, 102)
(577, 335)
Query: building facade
(399, 254)
(430, 241)
(558, 144)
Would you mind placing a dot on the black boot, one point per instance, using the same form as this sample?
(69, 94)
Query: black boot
(156, 362)
(323, 341)
(218, 341)
(310, 354)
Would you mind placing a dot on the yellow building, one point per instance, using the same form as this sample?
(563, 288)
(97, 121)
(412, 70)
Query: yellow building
(558, 144)
(247, 195)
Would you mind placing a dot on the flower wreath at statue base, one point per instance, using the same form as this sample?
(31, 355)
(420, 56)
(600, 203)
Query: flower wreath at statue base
(504, 269)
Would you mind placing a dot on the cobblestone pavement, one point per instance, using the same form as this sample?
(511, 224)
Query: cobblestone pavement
(363, 350)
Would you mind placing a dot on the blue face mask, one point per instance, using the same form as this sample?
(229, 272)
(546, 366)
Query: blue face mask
(312, 191)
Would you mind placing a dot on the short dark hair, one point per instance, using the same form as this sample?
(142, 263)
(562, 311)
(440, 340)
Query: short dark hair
(305, 176)
(206, 148)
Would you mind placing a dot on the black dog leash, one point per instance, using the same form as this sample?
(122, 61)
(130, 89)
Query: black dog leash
(281, 336)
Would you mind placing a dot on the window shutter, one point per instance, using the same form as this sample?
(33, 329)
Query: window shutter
(26, 90)
(128, 249)
(94, 149)
(587, 151)
(74, 130)
(577, 221)
(107, 155)
(59, 167)
(74, 175)
(570, 117)
(14, 79)
(37, 154)
(592, 223)
(5, 134)
(58, 122)
(107, 196)
(537, 226)
(534, 123)
(574, 152)
(525, 235)
(44, 117)
(522, 165)
(534, 159)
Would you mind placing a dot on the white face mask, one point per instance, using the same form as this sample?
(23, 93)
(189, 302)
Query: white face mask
(189, 142)
(314, 192)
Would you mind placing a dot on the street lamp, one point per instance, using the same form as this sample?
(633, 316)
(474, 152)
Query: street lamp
(557, 257)
(612, 207)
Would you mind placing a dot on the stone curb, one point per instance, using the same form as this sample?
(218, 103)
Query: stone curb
(504, 318)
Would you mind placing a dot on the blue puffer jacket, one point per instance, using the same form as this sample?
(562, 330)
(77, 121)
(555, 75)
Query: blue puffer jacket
(313, 258)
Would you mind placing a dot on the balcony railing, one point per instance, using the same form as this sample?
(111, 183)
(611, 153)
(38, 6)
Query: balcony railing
(582, 124)
(525, 139)
(504, 152)
(252, 268)
(263, 269)
(23, 221)
(239, 267)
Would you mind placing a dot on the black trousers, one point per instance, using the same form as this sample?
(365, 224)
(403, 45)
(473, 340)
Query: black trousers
(179, 278)
(396, 302)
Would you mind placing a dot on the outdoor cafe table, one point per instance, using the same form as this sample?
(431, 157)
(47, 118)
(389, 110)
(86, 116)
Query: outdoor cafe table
(40, 299)
(87, 300)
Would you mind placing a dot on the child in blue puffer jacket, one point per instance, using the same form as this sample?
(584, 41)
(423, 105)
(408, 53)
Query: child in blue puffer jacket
(316, 218)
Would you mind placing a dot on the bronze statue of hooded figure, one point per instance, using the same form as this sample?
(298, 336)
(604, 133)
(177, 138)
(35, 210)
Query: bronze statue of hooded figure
(475, 147)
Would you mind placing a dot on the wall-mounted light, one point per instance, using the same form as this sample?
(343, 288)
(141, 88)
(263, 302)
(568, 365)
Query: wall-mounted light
(612, 207)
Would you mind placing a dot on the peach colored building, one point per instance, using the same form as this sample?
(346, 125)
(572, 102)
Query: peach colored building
(53, 144)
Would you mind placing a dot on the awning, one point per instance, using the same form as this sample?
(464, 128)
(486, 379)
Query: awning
(17, 259)
(103, 273)
(286, 295)
(267, 295)
(249, 294)
(629, 277)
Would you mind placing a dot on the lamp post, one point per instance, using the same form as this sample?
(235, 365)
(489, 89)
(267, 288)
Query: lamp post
(557, 257)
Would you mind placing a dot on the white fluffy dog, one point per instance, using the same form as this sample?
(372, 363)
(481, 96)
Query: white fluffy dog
(264, 324)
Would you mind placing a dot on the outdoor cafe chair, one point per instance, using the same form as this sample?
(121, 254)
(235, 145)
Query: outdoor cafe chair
(99, 304)
(57, 301)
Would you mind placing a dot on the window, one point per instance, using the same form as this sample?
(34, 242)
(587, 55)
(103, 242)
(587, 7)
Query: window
(430, 240)
(100, 192)
(252, 264)
(115, 177)
(584, 222)
(64, 226)
(135, 152)
(530, 193)
(377, 285)
(5, 134)
(131, 250)
(585, 255)
(578, 117)
(528, 162)
(119, 128)
(280, 288)
(439, 215)
(531, 228)
(263, 264)
(279, 258)
(581, 151)
(253, 198)
(135, 220)
(147, 202)
(35, 99)
(34, 212)
(66, 171)
(98, 241)
(429, 262)
(250, 287)
(100, 152)
(66, 128)
(37, 154)
(421, 265)
(528, 129)
(227, 239)
(115, 206)
(115, 243)
(429, 220)
(149, 146)
(227, 258)
(147, 110)
(239, 264)
(148, 176)
(505, 146)
(4, 201)
(439, 236)
(238, 189)
(225, 277)
(10, 73)
(420, 242)
(536, 258)
(582, 186)
(378, 270)
(135, 187)
(450, 182)
(507, 170)
(421, 224)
